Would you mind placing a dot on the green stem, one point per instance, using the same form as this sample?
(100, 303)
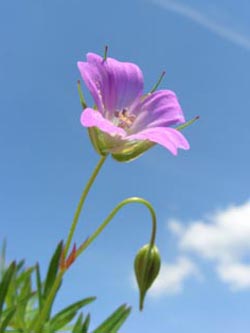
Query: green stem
(113, 213)
(81, 203)
(37, 324)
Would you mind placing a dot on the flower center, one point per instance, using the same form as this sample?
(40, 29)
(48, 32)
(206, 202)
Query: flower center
(124, 119)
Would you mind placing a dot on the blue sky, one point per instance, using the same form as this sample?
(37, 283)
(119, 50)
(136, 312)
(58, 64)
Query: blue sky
(201, 196)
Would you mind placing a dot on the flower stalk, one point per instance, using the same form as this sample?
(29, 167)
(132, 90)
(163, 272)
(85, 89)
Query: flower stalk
(81, 202)
(36, 325)
(123, 203)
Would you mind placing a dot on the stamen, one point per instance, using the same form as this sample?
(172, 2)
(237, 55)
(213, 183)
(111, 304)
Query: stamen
(158, 82)
(125, 120)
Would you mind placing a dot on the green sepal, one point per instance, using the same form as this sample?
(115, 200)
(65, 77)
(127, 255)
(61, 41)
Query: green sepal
(187, 123)
(97, 139)
(132, 150)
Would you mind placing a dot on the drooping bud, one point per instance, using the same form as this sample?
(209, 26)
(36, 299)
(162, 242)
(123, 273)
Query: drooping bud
(147, 266)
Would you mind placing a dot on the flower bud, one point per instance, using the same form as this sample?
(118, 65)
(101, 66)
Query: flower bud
(147, 266)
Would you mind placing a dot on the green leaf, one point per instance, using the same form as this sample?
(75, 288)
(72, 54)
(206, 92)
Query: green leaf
(2, 259)
(62, 321)
(78, 324)
(24, 295)
(6, 321)
(4, 285)
(20, 265)
(115, 321)
(24, 276)
(18, 320)
(53, 269)
(39, 286)
(63, 317)
(19, 296)
(85, 325)
(18, 280)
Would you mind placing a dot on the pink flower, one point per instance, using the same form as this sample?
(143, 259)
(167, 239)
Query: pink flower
(125, 121)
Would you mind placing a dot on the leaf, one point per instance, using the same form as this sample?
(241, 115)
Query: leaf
(63, 317)
(2, 259)
(6, 321)
(24, 294)
(4, 285)
(21, 296)
(39, 286)
(53, 269)
(62, 321)
(85, 325)
(20, 265)
(78, 324)
(23, 276)
(114, 322)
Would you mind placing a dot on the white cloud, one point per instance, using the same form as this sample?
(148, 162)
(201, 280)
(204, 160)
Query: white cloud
(223, 238)
(204, 19)
(236, 275)
(173, 276)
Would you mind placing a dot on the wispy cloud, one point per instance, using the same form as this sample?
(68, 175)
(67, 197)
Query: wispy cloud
(206, 21)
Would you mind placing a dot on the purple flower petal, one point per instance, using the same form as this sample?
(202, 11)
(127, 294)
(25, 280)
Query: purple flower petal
(94, 81)
(169, 137)
(114, 85)
(93, 118)
(158, 109)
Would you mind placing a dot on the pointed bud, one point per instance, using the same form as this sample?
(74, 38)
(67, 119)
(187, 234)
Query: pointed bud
(65, 263)
(147, 266)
